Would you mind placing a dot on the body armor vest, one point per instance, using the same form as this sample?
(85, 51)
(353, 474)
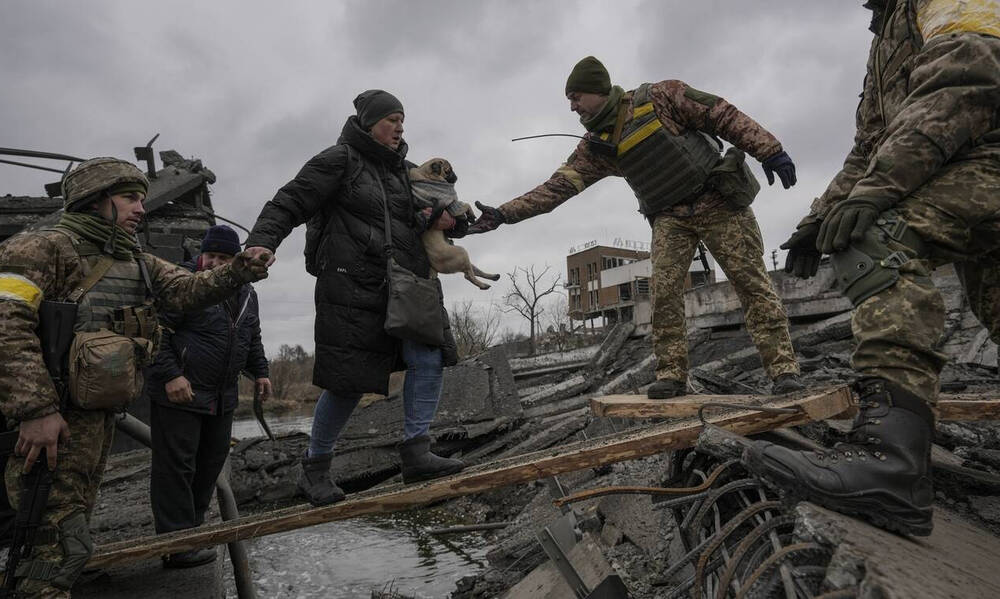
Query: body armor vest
(662, 169)
(122, 286)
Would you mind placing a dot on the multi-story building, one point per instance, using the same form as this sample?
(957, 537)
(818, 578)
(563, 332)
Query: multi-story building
(611, 283)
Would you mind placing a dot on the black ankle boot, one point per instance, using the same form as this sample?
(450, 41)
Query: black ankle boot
(881, 474)
(315, 482)
(418, 463)
(789, 382)
(666, 388)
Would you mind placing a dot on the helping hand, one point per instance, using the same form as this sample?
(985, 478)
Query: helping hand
(41, 433)
(848, 221)
(489, 219)
(782, 164)
(251, 264)
(803, 258)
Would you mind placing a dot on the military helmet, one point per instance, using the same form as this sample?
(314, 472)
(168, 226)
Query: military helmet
(96, 175)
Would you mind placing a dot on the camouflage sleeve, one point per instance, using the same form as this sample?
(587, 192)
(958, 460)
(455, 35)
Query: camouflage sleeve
(582, 169)
(28, 273)
(954, 91)
(678, 102)
(179, 290)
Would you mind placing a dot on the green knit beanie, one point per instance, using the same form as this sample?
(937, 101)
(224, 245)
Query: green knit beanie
(589, 76)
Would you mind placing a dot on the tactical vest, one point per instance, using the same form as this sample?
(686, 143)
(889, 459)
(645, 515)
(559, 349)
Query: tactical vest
(121, 286)
(662, 169)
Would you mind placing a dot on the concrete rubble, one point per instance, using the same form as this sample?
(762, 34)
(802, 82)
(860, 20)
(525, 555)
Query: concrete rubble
(495, 406)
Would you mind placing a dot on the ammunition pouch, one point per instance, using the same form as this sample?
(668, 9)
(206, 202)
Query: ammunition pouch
(732, 178)
(870, 265)
(105, 369)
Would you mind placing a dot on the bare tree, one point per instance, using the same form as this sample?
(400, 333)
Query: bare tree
(558, 323)
(527, 290)
(292, 364)
(475, 329)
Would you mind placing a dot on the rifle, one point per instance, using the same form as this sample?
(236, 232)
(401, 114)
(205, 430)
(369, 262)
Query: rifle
(35, 487)
(55, 331)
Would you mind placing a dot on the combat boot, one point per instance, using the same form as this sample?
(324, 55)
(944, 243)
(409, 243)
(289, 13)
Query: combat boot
(789, 382)
(666, 388)
(315, 482)
(418, 463)
(881, 473)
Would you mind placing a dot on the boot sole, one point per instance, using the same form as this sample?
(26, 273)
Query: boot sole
(881, 510)
(431, 476)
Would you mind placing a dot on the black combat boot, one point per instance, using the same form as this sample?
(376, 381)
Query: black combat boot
(882, 473)
(315, 482)
(789, 382)
(418, 463)
(666, 388)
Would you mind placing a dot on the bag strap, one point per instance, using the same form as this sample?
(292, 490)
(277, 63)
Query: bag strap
(100, 269)
(616, 136)
(385, 210)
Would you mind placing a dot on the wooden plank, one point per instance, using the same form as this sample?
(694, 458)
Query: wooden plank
(964, 407)
(635, 444)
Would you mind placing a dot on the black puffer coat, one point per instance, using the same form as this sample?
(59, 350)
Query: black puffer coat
(209, 348)
(353, 352)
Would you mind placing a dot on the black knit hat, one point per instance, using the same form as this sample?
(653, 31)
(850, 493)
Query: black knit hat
(589, 76)
(374, 105)
(221, 239)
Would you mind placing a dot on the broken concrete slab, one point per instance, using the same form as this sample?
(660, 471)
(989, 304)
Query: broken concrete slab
(545, 581)
(957, 561)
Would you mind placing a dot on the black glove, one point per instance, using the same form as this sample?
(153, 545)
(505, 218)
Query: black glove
(803, 258)
(848, 221)
(490, 219)
(782, 164)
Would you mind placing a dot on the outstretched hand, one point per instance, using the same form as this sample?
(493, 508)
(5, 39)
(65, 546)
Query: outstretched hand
(251, 264)
(781, 163)
(489, 219)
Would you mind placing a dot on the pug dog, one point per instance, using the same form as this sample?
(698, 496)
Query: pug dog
(433, 186)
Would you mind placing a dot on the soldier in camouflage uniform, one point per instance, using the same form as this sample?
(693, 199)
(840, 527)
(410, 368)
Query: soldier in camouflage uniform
(919, 189)
(103, 206)
(654, 137)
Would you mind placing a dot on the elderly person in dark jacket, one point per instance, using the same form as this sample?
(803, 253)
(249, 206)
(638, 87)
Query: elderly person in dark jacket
(193, 392)
(341, 192)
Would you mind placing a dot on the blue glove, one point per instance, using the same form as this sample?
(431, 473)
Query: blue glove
(782, 164)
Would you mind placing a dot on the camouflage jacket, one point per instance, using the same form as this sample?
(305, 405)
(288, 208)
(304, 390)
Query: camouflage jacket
(679, 107)
(45, 265)
(931, 97)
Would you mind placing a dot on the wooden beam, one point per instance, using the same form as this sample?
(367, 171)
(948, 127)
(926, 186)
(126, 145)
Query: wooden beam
(519, 469)
(949, 407)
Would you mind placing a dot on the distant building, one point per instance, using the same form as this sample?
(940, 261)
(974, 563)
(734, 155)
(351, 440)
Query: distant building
(611, 283)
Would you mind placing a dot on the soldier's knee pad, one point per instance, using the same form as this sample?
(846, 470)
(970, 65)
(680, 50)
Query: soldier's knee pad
(870, 265)
(77, 547)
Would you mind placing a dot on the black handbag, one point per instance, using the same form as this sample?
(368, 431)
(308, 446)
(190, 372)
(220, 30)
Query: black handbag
(414, 308)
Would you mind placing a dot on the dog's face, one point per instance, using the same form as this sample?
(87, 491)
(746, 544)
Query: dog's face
(438, 169)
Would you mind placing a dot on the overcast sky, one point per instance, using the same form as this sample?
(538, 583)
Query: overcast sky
(254, 89)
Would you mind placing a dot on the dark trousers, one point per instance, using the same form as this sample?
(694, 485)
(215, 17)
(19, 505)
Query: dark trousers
(189, 451)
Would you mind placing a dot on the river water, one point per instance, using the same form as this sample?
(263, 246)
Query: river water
(351, 558)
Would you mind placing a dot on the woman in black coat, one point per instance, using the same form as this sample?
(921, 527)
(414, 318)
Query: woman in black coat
(338, 193)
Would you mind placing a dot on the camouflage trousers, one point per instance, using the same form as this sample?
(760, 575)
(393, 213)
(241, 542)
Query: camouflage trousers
(64, 531)
(733, 238)
(957, 215)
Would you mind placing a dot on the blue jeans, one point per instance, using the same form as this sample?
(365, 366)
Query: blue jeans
(421, 392)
